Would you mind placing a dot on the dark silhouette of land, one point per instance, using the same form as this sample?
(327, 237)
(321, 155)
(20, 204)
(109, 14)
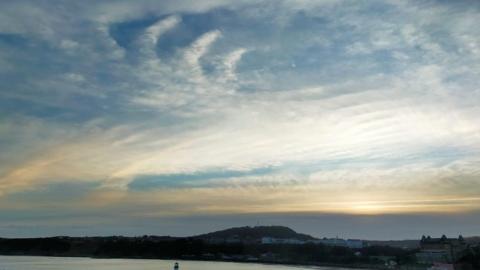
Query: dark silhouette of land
(268, 244)
(256, 233)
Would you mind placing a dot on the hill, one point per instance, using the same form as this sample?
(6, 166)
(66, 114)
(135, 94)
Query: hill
(254, 233)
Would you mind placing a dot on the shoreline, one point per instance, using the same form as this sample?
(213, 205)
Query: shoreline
(291, 264)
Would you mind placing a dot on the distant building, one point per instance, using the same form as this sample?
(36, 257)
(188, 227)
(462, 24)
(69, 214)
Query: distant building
(273, 240)
(355, 243)
(351, 243)
(441, 250)
(234, 239)
(337, 242)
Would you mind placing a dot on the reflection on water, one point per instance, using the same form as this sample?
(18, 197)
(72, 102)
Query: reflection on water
(56, 263)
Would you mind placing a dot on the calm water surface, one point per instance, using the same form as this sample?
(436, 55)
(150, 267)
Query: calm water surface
(55, 263)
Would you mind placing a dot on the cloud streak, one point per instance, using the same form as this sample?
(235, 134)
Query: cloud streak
(179, 107)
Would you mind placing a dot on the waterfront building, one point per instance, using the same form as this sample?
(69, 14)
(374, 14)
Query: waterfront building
(441, 250)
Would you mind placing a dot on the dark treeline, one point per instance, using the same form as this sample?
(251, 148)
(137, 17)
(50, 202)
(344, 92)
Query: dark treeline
(199, 249)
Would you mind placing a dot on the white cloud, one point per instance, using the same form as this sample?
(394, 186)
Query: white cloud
(151, 35)
(230, 63)
(197, 50)
(157, 29)
(114, 51)
(68, 44)
(74, 77)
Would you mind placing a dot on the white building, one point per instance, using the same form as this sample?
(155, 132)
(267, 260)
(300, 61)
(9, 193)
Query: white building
(355, 243)
(273, 240)
(337, 242)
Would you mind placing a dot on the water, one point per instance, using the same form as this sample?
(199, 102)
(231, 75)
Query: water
(57, 263)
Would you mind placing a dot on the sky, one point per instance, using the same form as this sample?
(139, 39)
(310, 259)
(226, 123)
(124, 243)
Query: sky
(357, 119)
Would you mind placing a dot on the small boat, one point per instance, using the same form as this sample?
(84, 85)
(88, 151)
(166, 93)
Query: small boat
(176, 267)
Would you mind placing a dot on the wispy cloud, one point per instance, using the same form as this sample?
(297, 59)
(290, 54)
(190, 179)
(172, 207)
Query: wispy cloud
(189, 101)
